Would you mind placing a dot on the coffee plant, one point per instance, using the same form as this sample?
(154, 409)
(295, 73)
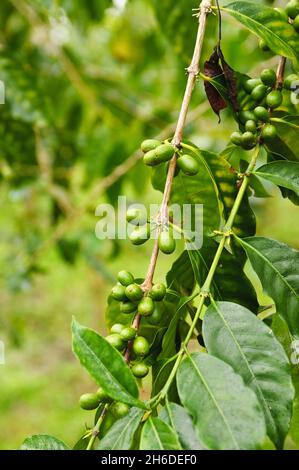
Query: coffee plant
(223, 368)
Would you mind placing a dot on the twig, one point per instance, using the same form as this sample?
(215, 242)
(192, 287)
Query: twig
(280, 73)
(192, 70)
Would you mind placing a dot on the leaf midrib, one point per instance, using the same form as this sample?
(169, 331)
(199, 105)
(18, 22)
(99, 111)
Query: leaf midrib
(214, 401)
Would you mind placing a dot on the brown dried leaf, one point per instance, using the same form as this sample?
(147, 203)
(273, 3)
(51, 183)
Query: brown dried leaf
(213, 69)
(231, 82)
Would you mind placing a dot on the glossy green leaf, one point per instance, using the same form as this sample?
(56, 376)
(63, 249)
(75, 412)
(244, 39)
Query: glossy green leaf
(282, 173)
(157, 435)
(120, 436)
(268, 25)
(105, 364)
(178, 418)
(277, 266)
(43, 442)
(233, 334)
(226, 414)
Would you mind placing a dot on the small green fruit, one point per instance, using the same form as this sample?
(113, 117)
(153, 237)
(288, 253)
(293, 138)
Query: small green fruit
(248, 140)
(164, 152)
(289, 83)
(118, 292)
(149, 144)
(128, 307)
(115, 341)
(141, 346)
(117, 328)
(125, 278)
(274, 99)
(128, 333)
(150, 158)
(292, 9)
(259, 92)
(135, 216)
(102, 396)
(166, 242)
(268, 77)
(119, 410)
(236, 138)
(134, 292)
(89, 401)
(140, 370)
(264, 46)
(269, 133)
(246, 116)
(140, 235)
(146, 306)
(158, 292)
(262, 114)
(157, 314)
(250, 84)
(296, 23)
(250, 126)
(188, 165)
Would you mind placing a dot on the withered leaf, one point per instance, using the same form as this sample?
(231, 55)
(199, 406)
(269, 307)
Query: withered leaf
(231, 82)
(213, 69)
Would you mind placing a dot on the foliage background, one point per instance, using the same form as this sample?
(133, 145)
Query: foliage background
(86, 82)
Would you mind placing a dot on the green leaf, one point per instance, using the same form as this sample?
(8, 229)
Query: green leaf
(177, 417)
(281, 173)
(43, 442)
(226, 413)
(105, 364)
(120, 436)
(235, 335)
(277, 266)
(268, 25)
(157, 435)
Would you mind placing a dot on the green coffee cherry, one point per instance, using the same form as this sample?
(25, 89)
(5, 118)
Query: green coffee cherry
(89, 401)
(166, 242)
(236, 138)
(118, 292)
(117, 328)
(259, 92)
(188, 165)
(135, 216)
(146, 306)
(274, 99)
(246, 116)
(115, 341)
(141, 346)
(262, 114)
(282, 13)
(264, 46)
(268, 77)
(248, 140)
(250, 84)
(157, 314)
(292, 9)
(151, 159)
(125, 278)
(157, 292)
(296, 23)
(128, 333)
(290, 80)
(164, 152)
(134, 292)
(119, 410)
(149, 144)
(140, 370)
(140, 235)
(102, 396)
(269, 133)
(250, 126)
(127, 307)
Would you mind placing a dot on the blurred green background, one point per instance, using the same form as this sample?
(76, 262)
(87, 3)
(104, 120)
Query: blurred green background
(86, 82)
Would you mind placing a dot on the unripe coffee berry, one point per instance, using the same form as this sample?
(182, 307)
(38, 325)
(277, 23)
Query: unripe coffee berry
(128, 307)
(134, 292)
(269, 133)
(158, 292)
(262, 113)
(128, 333)
(274, 99)
(140, 346)
(146, 306)
(125, 278)
(118, 292)
(116, 341)
(140, 370)
(119, 410)
(117, 328)
(89, 401)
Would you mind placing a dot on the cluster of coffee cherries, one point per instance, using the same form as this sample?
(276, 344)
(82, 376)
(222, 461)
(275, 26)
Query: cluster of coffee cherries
(255, 120)
(290, 14)
(156, 152)
(91, 401)
(142, 231)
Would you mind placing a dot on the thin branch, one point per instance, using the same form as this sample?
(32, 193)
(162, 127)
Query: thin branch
(192, 70)
(280, 72)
